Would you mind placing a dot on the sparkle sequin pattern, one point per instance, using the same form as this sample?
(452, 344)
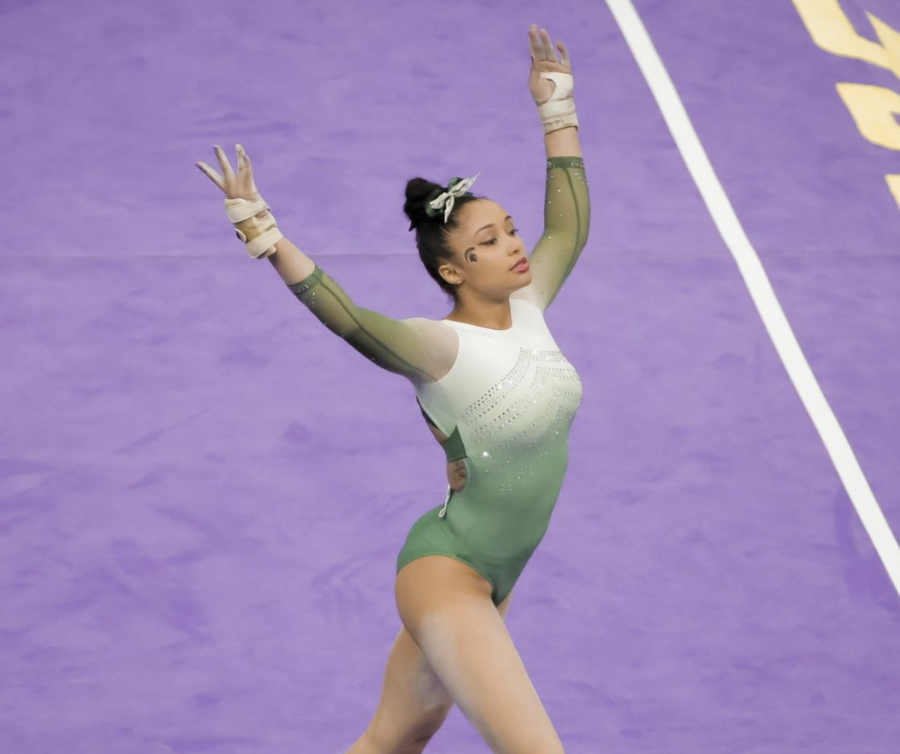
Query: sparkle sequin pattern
(524, 418)
(302, 290)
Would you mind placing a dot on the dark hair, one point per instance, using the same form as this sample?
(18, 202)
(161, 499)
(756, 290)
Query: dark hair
(432, 233)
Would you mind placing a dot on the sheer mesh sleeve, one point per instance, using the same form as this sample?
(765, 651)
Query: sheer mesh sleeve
(567, 217)
(420, 349)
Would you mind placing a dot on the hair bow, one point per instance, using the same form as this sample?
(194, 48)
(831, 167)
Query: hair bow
(456, 187)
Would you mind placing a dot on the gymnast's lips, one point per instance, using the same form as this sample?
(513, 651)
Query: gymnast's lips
(523, 260)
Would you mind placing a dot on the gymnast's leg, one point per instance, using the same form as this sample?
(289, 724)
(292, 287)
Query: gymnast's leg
(413, 704)
(445, 606)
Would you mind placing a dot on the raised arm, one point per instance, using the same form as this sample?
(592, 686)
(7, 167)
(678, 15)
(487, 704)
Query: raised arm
(420, 349)
(567, 204)
(567, 217)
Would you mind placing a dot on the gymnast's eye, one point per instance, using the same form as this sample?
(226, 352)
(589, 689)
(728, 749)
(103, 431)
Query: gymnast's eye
(494, 240)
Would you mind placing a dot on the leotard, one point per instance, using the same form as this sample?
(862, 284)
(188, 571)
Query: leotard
(504, 399)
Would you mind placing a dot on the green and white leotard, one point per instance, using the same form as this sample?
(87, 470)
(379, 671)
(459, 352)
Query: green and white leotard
(504, 399)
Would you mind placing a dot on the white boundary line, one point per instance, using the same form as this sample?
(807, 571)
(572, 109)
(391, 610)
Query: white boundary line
(754, 275)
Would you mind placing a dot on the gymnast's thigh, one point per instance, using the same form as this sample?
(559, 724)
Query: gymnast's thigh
(446, 607)
(414, 703)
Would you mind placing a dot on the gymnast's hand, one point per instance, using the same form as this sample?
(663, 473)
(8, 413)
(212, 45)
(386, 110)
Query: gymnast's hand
(240, 186)
(457, 475)
(543, 58)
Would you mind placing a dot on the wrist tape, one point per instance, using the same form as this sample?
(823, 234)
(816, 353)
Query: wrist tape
(559, 110)
(259, 234)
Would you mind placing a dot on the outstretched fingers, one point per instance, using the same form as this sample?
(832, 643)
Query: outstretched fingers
(534, 43)
(211, 174)
(547, 51)
(223, 161)
(221, 181)
(564, 51)
(542, 50)
(241, 184)
(245, 170)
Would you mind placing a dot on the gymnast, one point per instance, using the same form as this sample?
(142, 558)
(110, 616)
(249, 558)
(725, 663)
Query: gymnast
(497, 394)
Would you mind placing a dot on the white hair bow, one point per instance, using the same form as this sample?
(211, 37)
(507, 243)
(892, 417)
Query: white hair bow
(456, 187)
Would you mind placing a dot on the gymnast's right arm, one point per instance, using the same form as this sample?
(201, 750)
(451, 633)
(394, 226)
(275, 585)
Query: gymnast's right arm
(417, 348)
(420, 349)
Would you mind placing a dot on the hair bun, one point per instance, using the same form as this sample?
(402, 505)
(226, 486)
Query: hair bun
(418, 193)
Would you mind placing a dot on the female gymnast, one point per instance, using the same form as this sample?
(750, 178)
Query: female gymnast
(498, 395)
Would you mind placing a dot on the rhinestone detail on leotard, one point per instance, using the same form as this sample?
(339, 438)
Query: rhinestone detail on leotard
(539, 417)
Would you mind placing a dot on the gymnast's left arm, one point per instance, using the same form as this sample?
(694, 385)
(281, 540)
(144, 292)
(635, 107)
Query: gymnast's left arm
(567, 204)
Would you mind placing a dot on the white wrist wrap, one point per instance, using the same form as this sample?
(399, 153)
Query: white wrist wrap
(558, 111)
(263, 233)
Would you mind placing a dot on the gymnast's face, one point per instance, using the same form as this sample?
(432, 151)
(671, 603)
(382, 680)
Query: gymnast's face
(485, 246)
